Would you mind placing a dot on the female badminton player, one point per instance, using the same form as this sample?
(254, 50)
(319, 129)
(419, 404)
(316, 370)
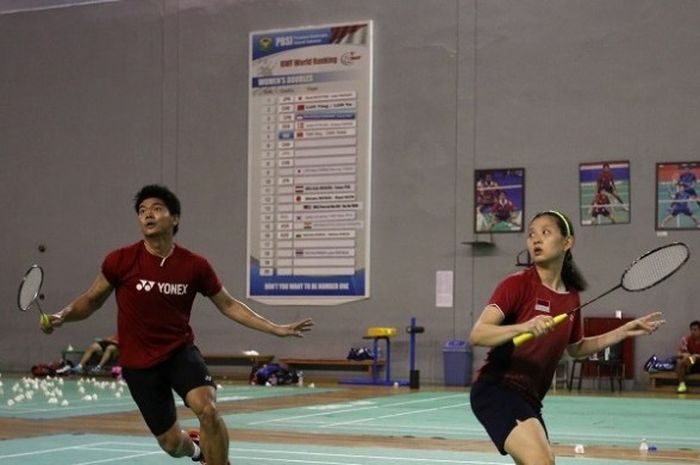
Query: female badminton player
(507, 394)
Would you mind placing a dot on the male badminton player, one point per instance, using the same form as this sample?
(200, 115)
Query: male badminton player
(507, 395)
(155, 282)
(688, 355)
(606, 182)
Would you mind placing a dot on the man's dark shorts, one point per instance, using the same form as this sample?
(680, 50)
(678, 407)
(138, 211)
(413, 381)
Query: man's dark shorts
(152, 388)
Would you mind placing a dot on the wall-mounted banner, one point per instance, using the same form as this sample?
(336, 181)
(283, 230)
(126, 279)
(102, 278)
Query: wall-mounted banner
(309, 154)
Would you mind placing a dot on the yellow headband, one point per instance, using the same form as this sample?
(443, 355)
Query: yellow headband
(563, 218)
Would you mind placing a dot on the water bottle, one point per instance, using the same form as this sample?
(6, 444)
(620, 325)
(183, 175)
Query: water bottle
(300, 381)
(643, 446)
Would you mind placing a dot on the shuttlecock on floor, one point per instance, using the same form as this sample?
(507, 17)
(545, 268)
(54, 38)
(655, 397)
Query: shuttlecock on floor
(579, 449)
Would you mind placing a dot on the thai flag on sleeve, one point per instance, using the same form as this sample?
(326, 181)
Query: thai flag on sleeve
(542, 305)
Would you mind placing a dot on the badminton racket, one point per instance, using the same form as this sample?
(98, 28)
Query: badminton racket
(28, 295)
(645, 272)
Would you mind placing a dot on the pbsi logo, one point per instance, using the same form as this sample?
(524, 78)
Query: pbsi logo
(144, 285)
(284, 41)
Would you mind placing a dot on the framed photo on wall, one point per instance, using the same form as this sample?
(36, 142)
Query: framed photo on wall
(677, 203)
(499, 197)
(604, 193)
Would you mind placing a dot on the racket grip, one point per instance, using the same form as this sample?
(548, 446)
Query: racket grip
(45, 323)
(521, 339)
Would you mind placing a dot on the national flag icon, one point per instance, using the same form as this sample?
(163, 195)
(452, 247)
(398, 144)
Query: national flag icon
(542, 305)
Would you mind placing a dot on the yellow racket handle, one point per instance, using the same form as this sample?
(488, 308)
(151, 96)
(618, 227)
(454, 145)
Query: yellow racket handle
(45, 323)
(521, 339)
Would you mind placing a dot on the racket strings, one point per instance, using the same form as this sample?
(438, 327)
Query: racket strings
(655, 267)
(29, 287)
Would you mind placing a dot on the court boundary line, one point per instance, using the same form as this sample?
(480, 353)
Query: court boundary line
(276, 420)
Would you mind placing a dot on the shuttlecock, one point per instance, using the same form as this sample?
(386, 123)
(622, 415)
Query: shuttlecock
(10, 402)
(579, 449)
(396, 384)
(312, 385)
(64, 403)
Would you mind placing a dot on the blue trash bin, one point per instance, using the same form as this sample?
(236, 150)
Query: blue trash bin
(458, 363)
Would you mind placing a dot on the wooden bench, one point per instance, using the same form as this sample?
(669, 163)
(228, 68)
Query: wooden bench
(663, 379)
(332, 364)
(237, 359)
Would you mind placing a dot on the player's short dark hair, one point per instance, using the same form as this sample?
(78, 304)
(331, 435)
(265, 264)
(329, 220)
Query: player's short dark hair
(159, 192)
(695, 323)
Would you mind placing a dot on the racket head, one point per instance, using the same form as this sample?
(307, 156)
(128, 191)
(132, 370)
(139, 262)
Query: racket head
(29, 288)
(655, 266)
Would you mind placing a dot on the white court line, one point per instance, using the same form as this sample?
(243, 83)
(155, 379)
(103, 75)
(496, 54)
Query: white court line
(91, 447)
(98, 405)
(118, 459)
(399, 428)
(305, 453)
(355, 456)
(401, 459)
(352, 409)
(413, 412)
(47, 451)
(77, 447)
(451, 432)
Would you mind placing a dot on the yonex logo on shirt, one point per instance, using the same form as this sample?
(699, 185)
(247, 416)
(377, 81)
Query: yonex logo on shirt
(172, 289)
(144, 285)
(163, 288)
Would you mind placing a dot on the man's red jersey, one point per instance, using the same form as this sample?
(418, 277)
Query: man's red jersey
(605, 181)
(689, 345)
(154, 302)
